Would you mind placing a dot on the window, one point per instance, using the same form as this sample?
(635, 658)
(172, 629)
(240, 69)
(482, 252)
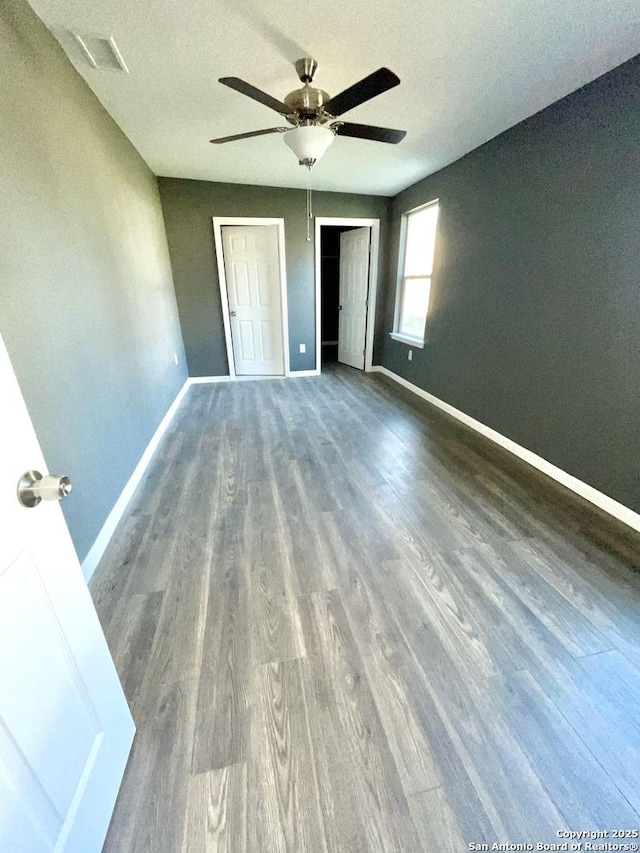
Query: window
(417, 248)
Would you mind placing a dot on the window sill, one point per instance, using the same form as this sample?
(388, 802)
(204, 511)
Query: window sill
(405, 339)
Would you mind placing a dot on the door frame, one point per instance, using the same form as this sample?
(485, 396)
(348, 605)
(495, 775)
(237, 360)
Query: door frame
(374, 251)
(218, 222)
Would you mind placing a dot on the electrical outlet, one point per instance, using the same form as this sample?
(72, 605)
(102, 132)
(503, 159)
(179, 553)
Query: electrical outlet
(410, 355)
(175, 358)
(303, 347)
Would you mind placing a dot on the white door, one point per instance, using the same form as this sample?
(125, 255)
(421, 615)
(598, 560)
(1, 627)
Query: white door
(354, 290)
(252, 271)
(65, 728)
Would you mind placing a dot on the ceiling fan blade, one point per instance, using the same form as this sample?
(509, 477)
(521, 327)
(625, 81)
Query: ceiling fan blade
(257, 94)
(249, 135)
(368, 131)
(375, 84)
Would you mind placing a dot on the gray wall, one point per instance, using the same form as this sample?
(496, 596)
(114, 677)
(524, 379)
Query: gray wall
(534, 325)
(189, 207)
(87, 307)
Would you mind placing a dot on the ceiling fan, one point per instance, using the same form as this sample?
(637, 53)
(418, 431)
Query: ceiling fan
(314, 114)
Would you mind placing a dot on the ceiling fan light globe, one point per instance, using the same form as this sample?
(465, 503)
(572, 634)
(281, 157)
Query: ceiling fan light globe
(309, 142)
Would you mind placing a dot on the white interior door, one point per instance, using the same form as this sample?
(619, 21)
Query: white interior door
(65, 728)
(354, 290)
(252, 271)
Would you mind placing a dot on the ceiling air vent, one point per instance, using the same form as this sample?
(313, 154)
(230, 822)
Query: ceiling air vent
(100, 51)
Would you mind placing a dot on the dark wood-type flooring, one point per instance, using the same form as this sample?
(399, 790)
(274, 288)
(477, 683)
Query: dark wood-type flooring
(343, 624)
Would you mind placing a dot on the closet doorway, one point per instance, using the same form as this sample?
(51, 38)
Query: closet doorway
(346, 280)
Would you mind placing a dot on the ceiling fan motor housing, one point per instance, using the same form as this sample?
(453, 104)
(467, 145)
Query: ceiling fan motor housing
(306, 103)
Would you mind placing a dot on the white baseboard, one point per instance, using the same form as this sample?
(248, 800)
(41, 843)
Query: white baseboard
(98, 548)
(609, 505)
(205, 380)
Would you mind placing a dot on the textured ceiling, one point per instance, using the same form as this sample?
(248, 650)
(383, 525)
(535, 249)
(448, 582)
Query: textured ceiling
(469, 70)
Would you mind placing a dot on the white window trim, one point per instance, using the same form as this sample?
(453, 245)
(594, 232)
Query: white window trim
(405, 339)
(402, 249)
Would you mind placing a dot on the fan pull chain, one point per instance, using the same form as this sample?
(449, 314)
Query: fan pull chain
(309, 211)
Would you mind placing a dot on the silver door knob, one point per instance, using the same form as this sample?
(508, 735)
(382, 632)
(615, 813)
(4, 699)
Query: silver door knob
(232, 313)
(33, 488)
